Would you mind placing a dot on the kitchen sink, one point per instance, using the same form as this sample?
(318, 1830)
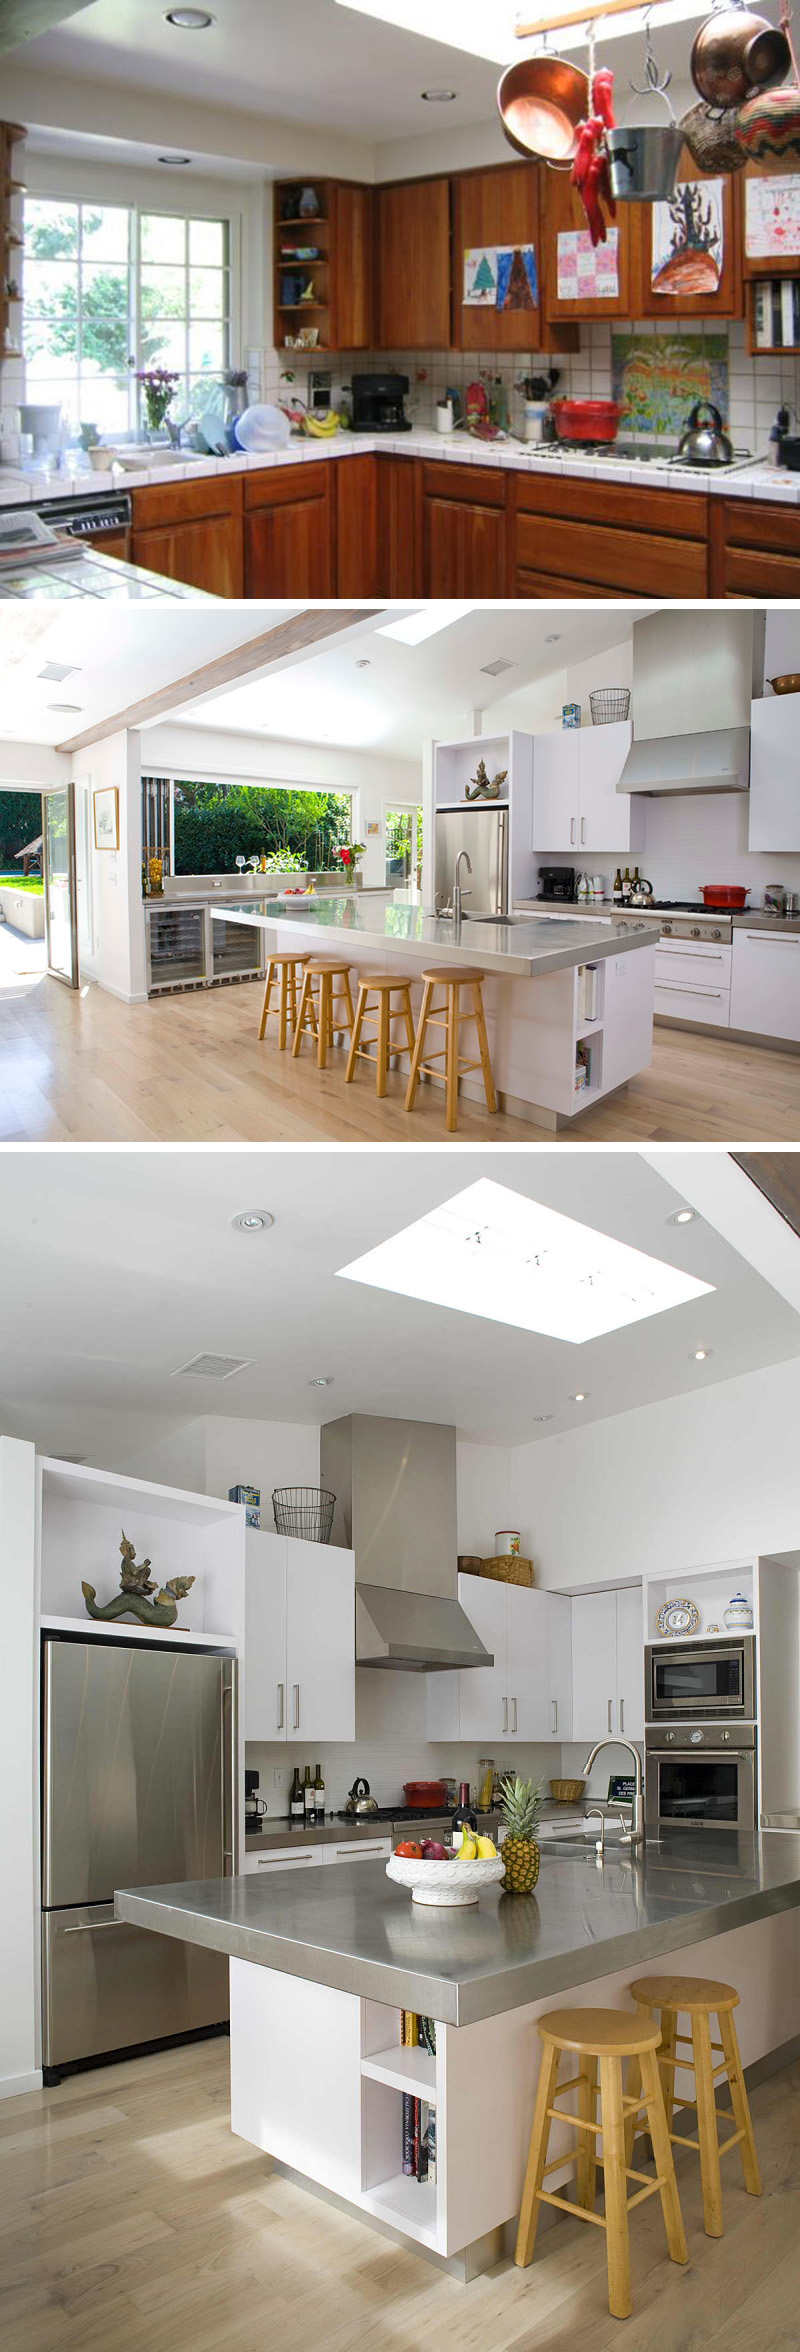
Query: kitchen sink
(504, 919)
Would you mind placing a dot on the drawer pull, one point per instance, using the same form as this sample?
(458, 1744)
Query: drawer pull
(671, 988)
(769, 939)
(666, 948)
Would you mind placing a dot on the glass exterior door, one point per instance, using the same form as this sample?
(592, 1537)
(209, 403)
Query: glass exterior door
(60, 896)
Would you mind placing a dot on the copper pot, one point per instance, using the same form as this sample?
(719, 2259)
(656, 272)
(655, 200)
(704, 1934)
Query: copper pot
(541, 101)
(735, 53)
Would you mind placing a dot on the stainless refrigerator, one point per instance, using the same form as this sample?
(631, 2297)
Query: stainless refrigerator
(138, 1789)
(483, 833)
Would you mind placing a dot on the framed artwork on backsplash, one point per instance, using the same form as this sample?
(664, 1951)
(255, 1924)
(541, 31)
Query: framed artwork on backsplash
(689, 240)
(658, 378)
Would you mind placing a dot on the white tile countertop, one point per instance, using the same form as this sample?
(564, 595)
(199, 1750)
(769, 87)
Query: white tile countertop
(759, 480)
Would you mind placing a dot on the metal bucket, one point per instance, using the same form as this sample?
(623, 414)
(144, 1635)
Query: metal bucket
(643, 161)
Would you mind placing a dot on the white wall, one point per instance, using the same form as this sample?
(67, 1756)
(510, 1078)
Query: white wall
(670, 1487)
(213, 1453)
(376, 780)
(109, 881)
(32, 765)
(19, 1804)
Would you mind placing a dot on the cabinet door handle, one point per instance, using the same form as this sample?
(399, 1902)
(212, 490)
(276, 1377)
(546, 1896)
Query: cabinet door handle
(514, 1716)
(296, 1696)
(622, 1714)
(555, 1714)
(572, 823)
(505, 1714)
(583, 832)
(610, 1705)
(280, 1705)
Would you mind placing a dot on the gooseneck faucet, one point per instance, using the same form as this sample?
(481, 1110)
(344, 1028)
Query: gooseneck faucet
(635, 1835)
(458, 893)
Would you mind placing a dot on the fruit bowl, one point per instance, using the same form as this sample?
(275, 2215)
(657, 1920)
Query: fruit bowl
(445, 1885)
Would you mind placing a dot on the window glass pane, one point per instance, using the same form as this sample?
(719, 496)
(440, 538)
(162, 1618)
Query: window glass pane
(207, 346)
(208, 242)
(52, 340)
(208, 290)
(106, 232)
(51, 287)
(163, 292)
(166, 345)
(162, 237)
(51, 229)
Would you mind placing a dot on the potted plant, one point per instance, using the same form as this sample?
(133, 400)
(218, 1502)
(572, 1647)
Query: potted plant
(348, 855)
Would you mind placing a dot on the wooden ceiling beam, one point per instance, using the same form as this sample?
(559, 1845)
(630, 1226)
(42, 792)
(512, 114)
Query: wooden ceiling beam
(304, 633)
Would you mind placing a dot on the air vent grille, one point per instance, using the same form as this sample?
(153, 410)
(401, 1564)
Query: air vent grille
(207, 1367)
(56, 672)
(494, 669)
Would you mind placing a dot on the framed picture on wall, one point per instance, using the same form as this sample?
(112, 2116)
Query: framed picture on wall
(106, 818)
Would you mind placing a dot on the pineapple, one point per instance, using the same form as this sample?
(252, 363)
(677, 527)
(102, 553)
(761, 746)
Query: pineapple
(519, 1817)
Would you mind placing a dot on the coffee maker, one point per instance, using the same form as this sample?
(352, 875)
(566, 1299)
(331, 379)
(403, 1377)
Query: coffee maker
(556, 882)
(254, 1806)
(378, 404)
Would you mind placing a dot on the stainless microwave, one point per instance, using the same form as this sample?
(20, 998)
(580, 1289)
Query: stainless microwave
(688, 1681)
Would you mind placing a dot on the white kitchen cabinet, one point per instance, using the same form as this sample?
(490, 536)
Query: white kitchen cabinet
(774, 805)
(608, 1665)
(513, 1700)
(576, 805)
(300, 1677)
(765, 984)
(284, 1858)
(693, 981)
(375, 1849)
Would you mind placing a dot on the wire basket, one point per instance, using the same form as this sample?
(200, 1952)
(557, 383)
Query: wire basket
(609, 703)
(304, 1510)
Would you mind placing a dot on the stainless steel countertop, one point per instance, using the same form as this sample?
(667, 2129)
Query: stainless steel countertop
(277, 1832)
(521, 950)
(354, 1929)
(753, 919)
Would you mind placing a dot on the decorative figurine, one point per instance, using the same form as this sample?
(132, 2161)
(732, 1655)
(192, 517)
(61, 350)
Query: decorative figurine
(132, 1599)
(481, 788)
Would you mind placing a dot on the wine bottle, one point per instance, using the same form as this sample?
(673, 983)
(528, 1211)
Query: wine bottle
(617, 890)
(319, 1797)
(308, 1798)
(296, 1805)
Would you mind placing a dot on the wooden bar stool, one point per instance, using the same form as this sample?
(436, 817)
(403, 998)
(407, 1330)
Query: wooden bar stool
(449, 1016)
(383, 986)
(332, 976)
(701, 1998)
(600, 2038)
(283, 967)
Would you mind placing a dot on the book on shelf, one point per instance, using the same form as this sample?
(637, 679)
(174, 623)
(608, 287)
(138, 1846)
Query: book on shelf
(419, 2117)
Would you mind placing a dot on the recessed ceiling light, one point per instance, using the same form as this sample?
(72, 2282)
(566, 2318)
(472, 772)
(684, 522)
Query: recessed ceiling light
(252, 1221)
(189, 20)
(554, 638)
(579, 1397)
(174, 159)
(491, 1252)
(419, 625)
(325, 1381)
(438, 97)
(363, 664)
(65, 706)
(701, 1355)
(682, 1217)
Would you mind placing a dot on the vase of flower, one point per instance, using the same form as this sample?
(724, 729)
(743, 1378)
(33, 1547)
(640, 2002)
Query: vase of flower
(348, 856)
(158, 391)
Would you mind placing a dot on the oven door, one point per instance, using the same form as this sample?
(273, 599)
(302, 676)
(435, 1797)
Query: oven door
(712, 1788)
(689, 1680)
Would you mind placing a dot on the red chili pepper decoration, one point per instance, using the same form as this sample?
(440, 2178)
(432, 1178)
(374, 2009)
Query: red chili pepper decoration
(603, 97)
(590, 174)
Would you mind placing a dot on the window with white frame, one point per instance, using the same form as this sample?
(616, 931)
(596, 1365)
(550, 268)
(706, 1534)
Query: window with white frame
(105, 285)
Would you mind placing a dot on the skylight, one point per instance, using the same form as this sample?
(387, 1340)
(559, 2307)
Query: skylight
(418, 625)
(482, 31)
(491, 1252)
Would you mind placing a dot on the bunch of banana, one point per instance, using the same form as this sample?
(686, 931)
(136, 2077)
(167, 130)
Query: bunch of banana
(474, 1848)
(323, 428)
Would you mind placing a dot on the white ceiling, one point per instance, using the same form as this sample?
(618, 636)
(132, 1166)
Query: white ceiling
(320, 65)
(118, 655)
(122, 1266)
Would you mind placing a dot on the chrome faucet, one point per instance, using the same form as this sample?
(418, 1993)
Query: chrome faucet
(635, 1835)
(458, 893)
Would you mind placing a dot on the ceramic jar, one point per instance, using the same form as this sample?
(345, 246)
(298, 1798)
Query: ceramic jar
(738, 1613)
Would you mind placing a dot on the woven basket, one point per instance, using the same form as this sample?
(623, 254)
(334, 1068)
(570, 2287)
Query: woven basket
(567, 1792)
(509, 1568)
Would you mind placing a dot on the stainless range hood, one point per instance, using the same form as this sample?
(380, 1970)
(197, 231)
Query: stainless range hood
(694, 677)
(395, 1487)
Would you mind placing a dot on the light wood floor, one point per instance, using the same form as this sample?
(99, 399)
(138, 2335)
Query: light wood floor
(87, 1069)
(132, 2221)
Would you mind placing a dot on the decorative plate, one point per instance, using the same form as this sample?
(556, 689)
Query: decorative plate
(678, 1617)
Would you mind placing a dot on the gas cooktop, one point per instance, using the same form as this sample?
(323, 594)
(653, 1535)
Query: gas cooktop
(401, 1813)
(631, 453)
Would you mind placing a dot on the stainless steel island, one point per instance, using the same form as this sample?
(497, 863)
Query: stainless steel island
(320, 1974)
(569, 1004)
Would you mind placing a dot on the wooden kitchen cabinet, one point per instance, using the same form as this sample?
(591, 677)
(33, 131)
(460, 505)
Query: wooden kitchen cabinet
(774, 800)
(464, 531)
(412, 266)
(754, 549)
(399, 526)
(352, 320)
(356, 487)
(606, 539)
(289, 531)
(300, 1640)
(497, 207)
(562, 215)
(192, 531)
(728, 302)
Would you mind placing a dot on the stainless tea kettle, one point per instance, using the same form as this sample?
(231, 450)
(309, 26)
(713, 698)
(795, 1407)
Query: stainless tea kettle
(359, 1801)
(703, 442)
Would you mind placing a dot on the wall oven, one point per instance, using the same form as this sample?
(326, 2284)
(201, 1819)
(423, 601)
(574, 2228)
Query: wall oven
(701, 1777)
(687, 1682)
